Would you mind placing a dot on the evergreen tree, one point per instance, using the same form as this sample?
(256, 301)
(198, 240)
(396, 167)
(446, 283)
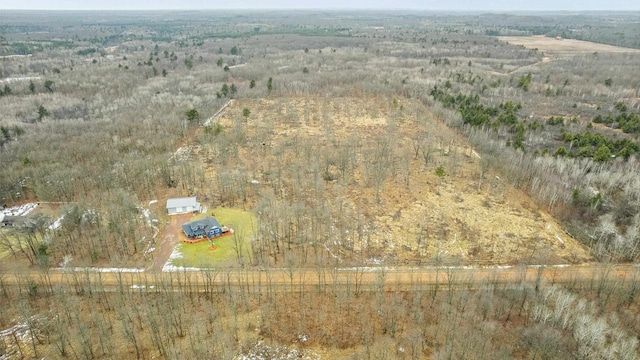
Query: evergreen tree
(192, 115)
(42, 112)
(602, 154)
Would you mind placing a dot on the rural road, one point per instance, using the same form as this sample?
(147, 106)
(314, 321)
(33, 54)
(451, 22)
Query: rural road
(357, 279)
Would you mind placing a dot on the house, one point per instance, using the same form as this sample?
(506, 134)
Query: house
(182, 205)
(208, 227)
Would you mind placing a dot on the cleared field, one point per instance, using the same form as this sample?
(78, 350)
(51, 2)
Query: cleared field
(548, 44)
(373, 162)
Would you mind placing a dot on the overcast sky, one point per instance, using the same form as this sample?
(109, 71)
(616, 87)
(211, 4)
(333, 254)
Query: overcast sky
(482, 5)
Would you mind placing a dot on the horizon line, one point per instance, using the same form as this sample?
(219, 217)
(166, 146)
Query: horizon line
(331, 9)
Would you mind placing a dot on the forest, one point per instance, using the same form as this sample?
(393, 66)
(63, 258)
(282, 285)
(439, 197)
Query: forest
(402, 185)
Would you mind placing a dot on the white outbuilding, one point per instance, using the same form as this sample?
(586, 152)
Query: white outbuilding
(182, 205)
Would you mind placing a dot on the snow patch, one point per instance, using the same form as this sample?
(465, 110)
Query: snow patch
(176, 254)
(22, 210)
(146, 213)
(101, 270)
(66, 261)
(262, 351)
(56, 224)
(19, 79)
(332, 254)
(143, 287)
(20, 336)
(15, 56)
(434, 268)
(172, 268)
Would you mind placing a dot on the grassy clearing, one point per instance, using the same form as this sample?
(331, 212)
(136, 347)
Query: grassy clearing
(552, 44)
(199, 255)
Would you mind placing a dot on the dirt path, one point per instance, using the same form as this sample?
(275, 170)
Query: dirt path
(367, 279)
(170, 237)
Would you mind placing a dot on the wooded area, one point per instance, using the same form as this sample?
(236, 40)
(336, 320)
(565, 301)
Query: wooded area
(358, 139)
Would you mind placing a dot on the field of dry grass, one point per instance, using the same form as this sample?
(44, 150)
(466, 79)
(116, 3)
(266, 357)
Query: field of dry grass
(563, 46)
(412, 216)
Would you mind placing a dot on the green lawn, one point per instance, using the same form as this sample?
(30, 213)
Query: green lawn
(199, 255)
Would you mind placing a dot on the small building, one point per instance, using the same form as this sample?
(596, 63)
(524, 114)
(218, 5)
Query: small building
(208, 227)
(182, 205)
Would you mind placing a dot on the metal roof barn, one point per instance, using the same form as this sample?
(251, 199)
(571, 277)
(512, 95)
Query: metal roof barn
(182, 205)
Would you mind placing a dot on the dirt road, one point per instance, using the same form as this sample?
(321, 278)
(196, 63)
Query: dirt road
(170, 237)
(358, 279)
